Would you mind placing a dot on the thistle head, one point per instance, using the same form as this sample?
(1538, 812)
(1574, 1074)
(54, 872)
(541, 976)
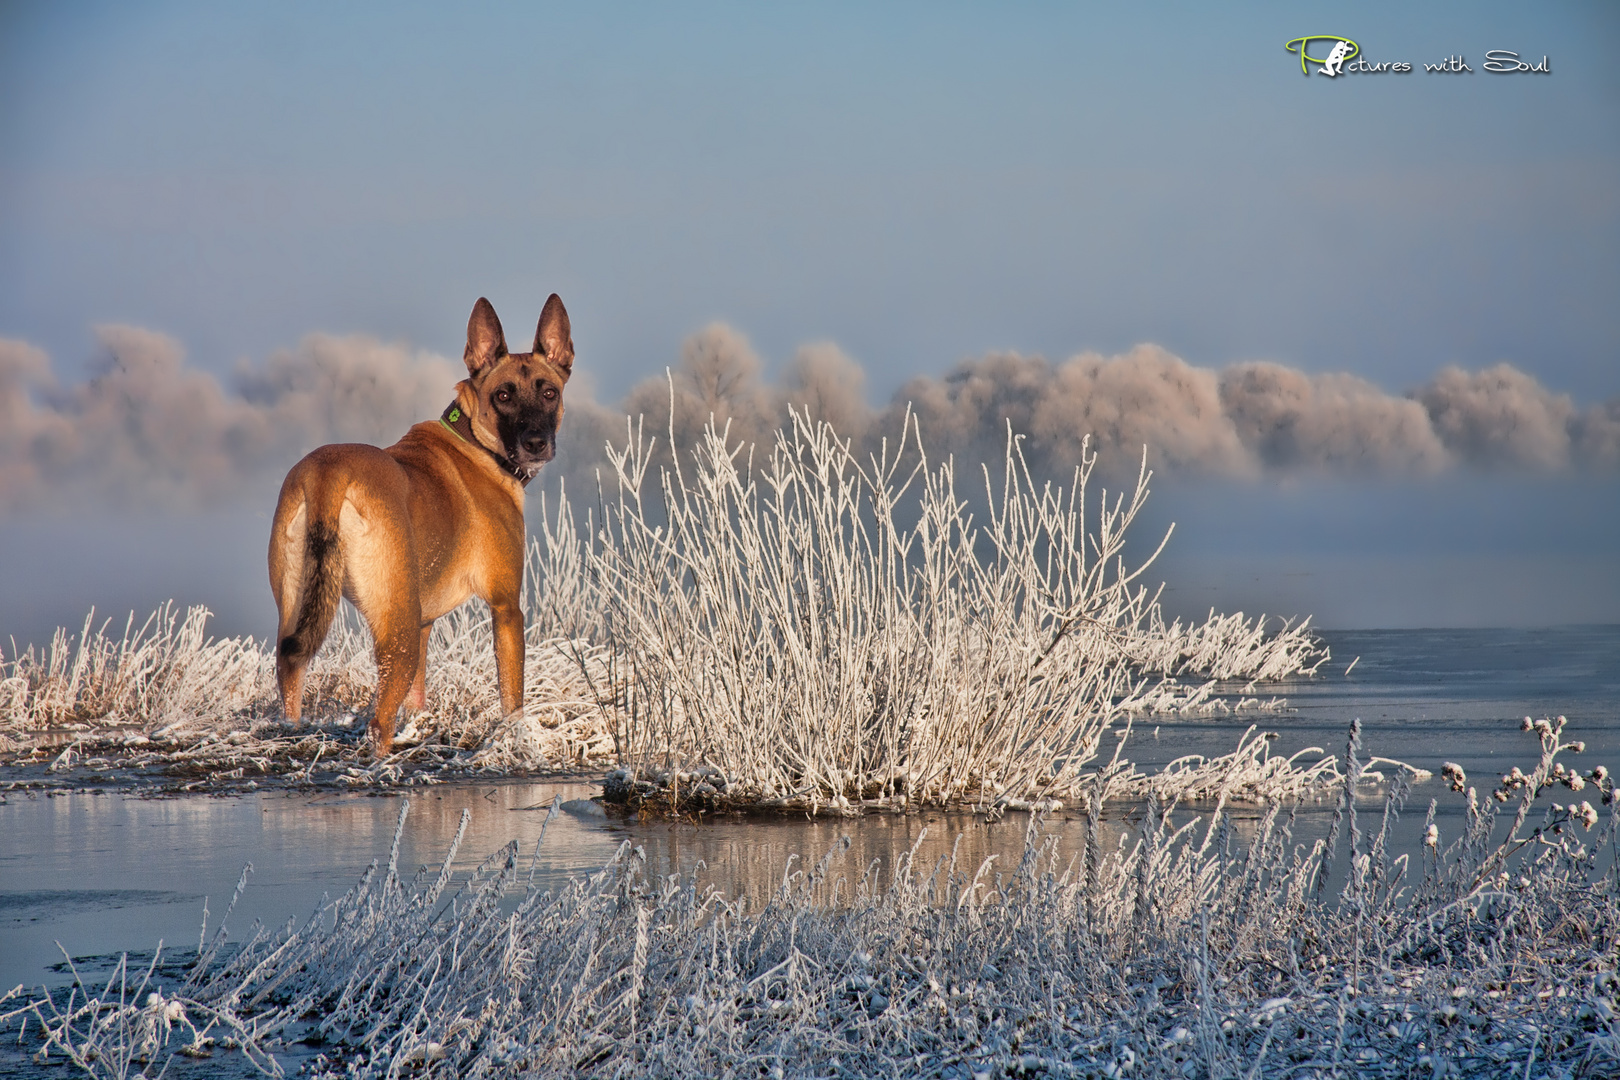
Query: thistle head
(1454, 775)
(1585, 814)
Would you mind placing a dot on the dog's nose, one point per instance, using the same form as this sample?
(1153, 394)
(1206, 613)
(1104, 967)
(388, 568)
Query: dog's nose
(535, 444)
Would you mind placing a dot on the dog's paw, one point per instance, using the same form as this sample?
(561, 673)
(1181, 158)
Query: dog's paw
(410, 735)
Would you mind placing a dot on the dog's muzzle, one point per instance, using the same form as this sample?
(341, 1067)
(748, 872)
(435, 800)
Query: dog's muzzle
(534, 450)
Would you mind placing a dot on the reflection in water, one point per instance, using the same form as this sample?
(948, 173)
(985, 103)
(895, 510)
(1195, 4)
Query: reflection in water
(106, 873)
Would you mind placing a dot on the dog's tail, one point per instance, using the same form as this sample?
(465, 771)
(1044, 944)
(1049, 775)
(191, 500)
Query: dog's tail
(322, 585)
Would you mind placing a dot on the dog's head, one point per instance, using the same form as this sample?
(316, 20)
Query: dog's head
(518, 396)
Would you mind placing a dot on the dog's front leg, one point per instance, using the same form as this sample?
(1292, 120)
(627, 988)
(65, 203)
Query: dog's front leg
(508, 619)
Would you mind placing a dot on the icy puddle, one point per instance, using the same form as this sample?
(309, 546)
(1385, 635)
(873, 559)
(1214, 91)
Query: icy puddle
(102, 873)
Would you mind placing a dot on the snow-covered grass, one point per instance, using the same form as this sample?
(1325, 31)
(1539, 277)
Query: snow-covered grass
(1178, 953)
(162, 698)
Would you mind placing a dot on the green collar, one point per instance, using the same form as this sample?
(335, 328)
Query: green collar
(459, 424)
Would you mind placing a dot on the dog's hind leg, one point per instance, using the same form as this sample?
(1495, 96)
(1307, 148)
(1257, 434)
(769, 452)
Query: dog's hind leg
(416, 700)
(398, 658)
(382, 583)
(287, 586)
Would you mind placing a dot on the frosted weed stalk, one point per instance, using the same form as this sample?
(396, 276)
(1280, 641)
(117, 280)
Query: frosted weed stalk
(814, 631)
(1178, 953)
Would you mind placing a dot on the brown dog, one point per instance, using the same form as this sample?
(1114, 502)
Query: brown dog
(408, 533)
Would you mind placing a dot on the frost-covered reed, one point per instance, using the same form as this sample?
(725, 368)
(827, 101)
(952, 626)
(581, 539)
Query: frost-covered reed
(1228, 647)
(1250, 773)
(814, 630)
(1179, 952)
(160, 671)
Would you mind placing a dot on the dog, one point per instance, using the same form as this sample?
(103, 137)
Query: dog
(409, 533)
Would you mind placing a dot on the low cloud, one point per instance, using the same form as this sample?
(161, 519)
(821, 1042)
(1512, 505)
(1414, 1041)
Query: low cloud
(1499, 417)
(1328, 423)
(825, 383)
(347, 389)
(148, 428)
(1596, 435)
(1258, 419)
(720, 378)
(1144, 397)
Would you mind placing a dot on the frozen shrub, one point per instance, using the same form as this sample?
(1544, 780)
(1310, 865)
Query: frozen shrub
(827, 632)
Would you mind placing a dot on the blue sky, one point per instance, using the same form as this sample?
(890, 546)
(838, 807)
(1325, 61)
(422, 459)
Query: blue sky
(920, 183)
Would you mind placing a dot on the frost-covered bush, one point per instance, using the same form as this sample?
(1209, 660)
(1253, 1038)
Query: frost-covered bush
(813, 630)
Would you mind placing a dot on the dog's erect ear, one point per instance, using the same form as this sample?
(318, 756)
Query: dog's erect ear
(552, 336)
(485, 341)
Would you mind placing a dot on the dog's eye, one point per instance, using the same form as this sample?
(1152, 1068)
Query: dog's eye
(549, 394)
(503, 395)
